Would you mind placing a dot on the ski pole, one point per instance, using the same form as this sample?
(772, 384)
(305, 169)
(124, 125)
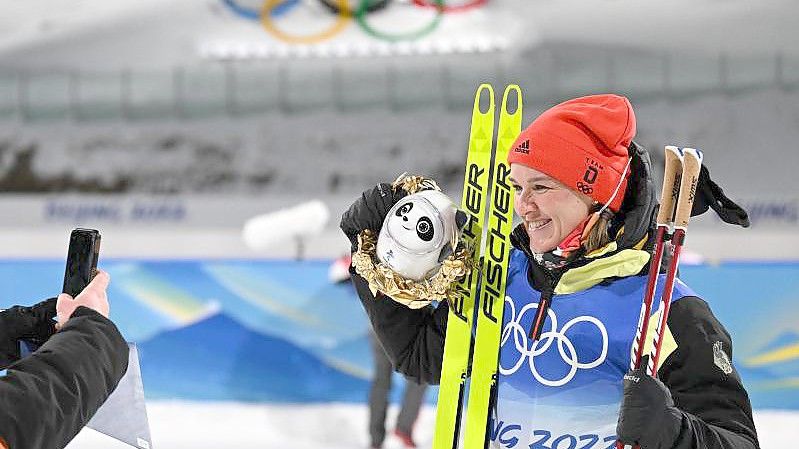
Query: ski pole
(691, 166)
(672, 174)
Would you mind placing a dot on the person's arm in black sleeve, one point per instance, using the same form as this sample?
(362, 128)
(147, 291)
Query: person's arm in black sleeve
(701, 401)
(717, 407)
(412, 339)
(32, 324)
(47, 397)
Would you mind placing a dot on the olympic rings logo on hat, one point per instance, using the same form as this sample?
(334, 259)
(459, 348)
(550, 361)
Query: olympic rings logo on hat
(566, 349)
(270, 10)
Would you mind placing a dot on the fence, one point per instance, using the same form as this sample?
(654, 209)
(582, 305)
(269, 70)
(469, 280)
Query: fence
(235, 88)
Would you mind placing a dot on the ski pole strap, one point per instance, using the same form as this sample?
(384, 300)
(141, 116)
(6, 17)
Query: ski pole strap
(710, 195)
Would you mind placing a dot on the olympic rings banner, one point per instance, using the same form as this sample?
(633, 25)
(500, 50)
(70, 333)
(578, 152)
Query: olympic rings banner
(425, 18)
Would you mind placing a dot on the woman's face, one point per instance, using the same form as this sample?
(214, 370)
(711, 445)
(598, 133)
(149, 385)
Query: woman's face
(549, 209)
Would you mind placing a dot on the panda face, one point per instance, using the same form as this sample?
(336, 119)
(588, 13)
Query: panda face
(415, 224)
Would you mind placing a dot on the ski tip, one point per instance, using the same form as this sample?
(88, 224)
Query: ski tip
(506, 100)
(489, 103)
(485, 87)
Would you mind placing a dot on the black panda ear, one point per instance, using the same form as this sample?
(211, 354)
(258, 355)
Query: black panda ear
(445, 252)
(461, 218)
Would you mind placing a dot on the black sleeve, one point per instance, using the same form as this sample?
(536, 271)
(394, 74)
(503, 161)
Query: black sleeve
(47, 397)
(703, 382)
(33, 325)
(412, 339)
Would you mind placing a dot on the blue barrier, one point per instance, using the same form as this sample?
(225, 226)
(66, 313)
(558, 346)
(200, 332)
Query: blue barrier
(279, 331)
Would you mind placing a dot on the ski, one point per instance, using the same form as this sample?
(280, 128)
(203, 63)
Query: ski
(458, 341)
(493, 278)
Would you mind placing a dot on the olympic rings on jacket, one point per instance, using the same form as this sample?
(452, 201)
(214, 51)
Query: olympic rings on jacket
(566, 349)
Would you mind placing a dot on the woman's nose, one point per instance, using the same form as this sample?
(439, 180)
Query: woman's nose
(525, 204)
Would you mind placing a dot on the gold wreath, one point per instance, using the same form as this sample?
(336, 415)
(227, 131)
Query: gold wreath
(412, 294)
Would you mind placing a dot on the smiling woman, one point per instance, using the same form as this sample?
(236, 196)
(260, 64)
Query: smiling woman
(561, 195)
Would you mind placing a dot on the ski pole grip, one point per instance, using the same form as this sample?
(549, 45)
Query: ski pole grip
(672, 174)
(691, 166)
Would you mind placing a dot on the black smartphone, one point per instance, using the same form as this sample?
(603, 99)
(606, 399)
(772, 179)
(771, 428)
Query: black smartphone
(84, 250)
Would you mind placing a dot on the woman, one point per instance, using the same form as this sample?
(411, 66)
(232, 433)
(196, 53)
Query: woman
(585, 196)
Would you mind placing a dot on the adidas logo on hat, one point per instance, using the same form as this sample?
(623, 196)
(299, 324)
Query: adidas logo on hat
(523, 147)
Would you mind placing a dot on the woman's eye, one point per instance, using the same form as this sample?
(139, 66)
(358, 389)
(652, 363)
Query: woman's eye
(540, 188)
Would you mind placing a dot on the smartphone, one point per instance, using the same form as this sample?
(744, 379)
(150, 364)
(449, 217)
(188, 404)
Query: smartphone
(84, 250)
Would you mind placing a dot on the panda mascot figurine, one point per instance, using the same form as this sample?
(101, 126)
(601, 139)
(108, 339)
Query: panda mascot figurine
(418, 233)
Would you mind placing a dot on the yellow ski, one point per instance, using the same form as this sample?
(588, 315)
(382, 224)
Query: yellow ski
(493, 278)
(457, 346)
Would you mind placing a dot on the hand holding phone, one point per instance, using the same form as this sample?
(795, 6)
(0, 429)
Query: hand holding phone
(84, 284)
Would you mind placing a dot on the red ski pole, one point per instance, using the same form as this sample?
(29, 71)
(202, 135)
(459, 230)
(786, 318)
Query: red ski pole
(672, 173)
(668, 200)
(691, 165)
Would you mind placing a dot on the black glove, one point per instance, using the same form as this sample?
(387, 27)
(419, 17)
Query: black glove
(33, 324)
(648, 416)
(369, 211)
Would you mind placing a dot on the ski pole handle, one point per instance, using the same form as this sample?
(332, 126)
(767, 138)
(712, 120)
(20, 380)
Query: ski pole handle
(692, 164)
(670, 192)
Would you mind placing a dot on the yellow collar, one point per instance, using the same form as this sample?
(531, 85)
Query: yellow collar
(606, 262)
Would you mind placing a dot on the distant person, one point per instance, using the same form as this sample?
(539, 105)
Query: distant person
(47, 397)
(381, 383)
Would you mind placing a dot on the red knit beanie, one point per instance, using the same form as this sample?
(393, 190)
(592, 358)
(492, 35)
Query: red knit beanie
(583, 144)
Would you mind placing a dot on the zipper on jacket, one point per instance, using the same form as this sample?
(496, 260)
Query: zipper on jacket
(521, 241)
(540, 315)
(543, 307)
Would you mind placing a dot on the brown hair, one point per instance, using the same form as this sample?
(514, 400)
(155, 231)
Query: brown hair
(598, 235)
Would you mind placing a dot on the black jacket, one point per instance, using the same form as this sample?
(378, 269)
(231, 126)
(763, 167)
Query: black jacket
(48, 396)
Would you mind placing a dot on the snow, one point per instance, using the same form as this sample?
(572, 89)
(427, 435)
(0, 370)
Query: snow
(185, 425)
